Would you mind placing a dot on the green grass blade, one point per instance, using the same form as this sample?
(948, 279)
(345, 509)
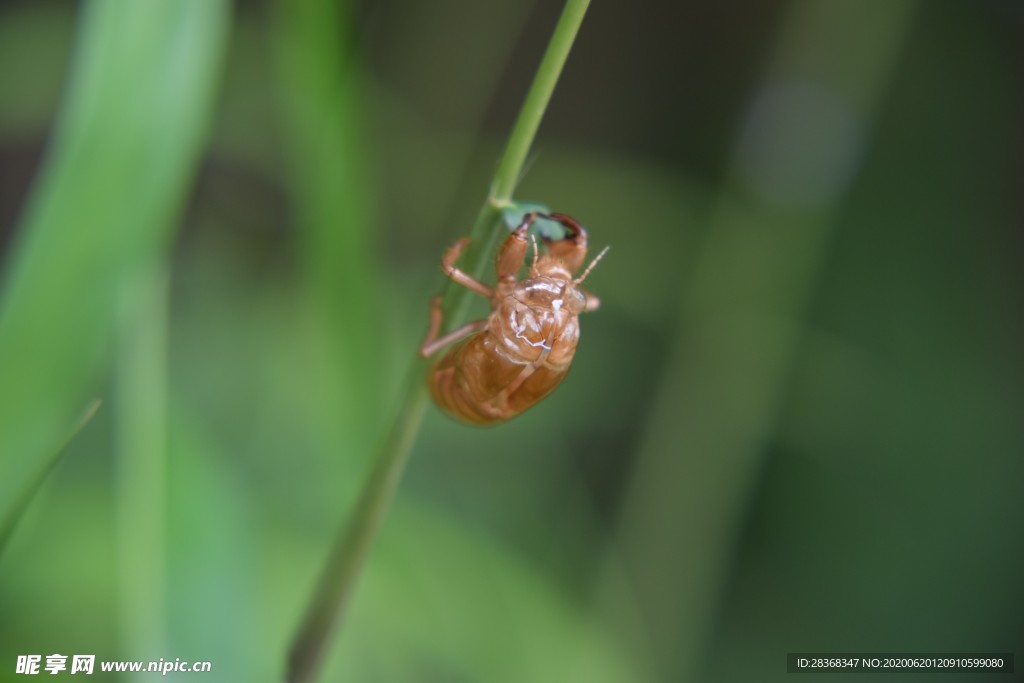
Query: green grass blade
(740, 324)
(141, 429)
(126, 146)
(14, 512)
(328, 181)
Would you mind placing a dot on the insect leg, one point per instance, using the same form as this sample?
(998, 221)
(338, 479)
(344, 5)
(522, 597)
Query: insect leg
(463, 278)
(432, 343)
(513, 251)
(501, 400)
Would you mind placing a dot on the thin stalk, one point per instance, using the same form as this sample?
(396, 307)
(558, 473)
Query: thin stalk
(352, 546)
(140, 424)
(537, 99)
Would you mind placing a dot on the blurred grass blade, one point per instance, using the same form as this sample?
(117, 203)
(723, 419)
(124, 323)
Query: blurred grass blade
(740, 323)
(126, 146)
(14, 512)
(140, 428)
(329, 183)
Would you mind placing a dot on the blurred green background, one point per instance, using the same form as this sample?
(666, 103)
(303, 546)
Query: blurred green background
(794, 424)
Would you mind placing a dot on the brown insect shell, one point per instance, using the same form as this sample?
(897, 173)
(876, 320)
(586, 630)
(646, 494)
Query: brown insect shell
(524, 353)
(535, 321)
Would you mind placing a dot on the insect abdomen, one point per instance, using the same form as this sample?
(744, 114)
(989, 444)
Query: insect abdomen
(476, 384)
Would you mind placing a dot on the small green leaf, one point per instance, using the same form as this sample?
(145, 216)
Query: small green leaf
(550, 229)
(514, 212)
(546, 228)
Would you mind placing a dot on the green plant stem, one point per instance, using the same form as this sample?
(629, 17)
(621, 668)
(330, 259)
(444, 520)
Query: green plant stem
(537, 99)
(352, 546)
(106, 198)
(348, 556)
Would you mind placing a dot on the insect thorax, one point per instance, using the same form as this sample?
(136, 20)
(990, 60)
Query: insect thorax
(537, 322)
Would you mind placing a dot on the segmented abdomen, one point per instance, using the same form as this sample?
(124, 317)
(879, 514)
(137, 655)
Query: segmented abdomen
(475, 383)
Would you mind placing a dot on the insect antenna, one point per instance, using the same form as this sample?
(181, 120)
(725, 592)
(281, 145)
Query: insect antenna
(593, 263)
(533, 241)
